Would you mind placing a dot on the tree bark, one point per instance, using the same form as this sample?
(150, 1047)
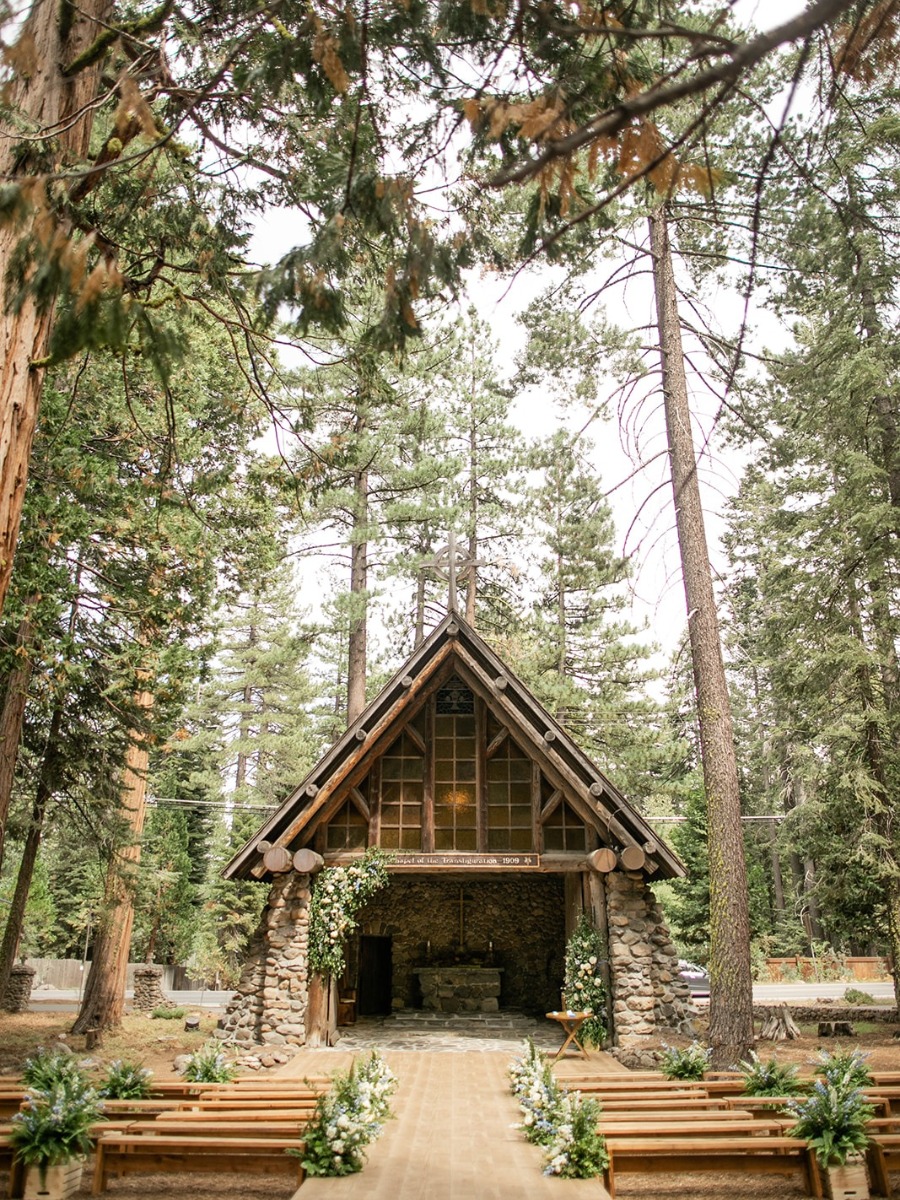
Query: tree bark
(56, 109)
(240, 771)
(104, 995)
(356, 655)
(48, 781)
(472, 573)
(12, 719)
(731, 1003)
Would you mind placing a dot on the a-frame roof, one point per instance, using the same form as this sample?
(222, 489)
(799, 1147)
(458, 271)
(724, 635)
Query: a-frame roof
(454, 643)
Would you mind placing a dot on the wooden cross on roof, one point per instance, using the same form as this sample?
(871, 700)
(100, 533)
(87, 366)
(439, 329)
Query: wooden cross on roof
(453, 563)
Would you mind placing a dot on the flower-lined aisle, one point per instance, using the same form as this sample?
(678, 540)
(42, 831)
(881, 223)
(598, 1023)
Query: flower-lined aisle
(563, 1123)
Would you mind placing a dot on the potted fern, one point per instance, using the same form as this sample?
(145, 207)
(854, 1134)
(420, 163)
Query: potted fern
(769, 1078)
(51, 1137)
(833, 1119)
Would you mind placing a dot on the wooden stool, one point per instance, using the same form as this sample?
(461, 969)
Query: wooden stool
(571, 1023)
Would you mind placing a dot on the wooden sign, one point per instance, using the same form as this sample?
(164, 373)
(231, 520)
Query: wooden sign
(467, 861)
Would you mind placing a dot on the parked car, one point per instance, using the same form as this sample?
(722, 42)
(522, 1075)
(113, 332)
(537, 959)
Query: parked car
(695, 977)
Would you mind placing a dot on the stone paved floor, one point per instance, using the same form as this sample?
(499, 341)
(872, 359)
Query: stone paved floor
(453, 1137)
(414, 1029)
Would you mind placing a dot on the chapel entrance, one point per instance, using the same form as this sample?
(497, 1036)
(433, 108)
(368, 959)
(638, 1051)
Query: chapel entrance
(512, 923)
(375, 973)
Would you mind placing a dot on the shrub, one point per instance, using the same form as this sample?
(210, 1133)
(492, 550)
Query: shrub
(164, 1013)
(769, 1078)
(209, 1065)
(689, 1063)
(126, 1081)
(855, 996)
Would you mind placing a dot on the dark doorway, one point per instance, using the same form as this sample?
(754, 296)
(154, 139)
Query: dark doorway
(375, 967)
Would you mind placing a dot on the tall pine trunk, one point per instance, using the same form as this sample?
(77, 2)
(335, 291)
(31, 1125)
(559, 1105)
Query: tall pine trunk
(104, 996)
(12, 718)
(56, 112)
(359, 549)
(48, 780)
(731, 992)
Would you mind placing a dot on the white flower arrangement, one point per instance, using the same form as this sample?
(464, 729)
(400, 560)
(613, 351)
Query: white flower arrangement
(348, 1118)
(338, 895)
(584, 987)
(562, 1122)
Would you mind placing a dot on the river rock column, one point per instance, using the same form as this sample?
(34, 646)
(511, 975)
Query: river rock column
(649, 998)
(270, 1003)
(18, 990)
(148, 993)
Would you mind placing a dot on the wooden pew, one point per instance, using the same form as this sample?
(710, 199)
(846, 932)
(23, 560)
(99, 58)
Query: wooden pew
(882, 1156)
(151, 1154)
(674, 1104)
(757, 1155)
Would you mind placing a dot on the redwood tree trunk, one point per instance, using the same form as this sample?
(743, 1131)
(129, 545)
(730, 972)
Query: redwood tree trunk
(731, 994)
(104, 995)
(57, 108)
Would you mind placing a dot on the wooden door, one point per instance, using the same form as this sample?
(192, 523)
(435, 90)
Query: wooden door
(375, 963)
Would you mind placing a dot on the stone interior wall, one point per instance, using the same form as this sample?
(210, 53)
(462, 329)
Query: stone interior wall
(523, 917)
(270, 1003)
(649, 999)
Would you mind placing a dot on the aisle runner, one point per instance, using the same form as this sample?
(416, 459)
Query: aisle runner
(451, 1139)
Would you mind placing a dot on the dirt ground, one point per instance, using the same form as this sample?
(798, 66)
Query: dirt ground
(155, 1043)
(152, 1042)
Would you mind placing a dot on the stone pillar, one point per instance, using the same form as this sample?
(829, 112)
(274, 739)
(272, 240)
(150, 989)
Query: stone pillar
(270, 1003)
(148, 993)
(649, 999)
(18, 990)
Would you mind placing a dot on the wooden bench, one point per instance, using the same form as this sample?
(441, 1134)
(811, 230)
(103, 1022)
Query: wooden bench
(665, 1123)
(761, 1154)
(151, 1154)
(228, 1116)
(675, 1104)
(882, 1156)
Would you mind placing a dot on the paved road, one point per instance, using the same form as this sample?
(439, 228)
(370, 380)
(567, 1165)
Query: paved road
(815, 991)
(67, 1000)
(60, 1000)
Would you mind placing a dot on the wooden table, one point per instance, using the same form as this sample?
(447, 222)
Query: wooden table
(571, 1023)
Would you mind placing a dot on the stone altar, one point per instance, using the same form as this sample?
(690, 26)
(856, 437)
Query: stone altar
(460, 988)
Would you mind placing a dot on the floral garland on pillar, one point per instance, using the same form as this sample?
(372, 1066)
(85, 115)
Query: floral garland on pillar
(338, 895)
(584, 990)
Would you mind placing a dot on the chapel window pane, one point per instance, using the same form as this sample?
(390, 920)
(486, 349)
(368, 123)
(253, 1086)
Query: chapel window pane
(455, 801)
(509, 801)
(347, 829)
(401, 802)
(564, 830)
